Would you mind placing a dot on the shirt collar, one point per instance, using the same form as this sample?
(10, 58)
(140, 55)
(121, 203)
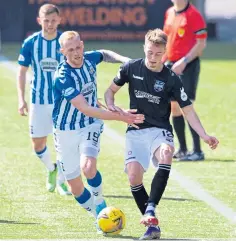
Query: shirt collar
(183, 10)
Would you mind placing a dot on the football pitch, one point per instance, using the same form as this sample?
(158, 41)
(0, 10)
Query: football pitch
(200, 199)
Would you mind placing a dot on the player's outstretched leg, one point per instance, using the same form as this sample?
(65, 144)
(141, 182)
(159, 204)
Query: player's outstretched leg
(164, 154)
(94, 179)
(82, 195)
(44, 155)
(62, 187)
(95, 185)
(140, 196)
(135, 174)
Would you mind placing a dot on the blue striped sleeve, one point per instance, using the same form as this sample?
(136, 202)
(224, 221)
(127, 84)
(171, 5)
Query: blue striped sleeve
(25, 54)
(66, 86)
(94, 56)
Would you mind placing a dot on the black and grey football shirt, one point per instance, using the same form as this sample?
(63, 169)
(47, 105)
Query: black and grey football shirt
(151, 92)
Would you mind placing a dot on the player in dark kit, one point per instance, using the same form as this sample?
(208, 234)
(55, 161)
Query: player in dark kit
(151, 87)
(187, 34)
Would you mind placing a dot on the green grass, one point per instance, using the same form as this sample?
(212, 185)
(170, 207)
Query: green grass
(214, 50)
(28, 211)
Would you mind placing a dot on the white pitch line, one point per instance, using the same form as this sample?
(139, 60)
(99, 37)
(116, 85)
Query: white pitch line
(189, 185)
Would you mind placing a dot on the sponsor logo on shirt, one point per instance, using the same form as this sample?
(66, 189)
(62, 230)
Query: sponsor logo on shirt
(21, 58)
(69, 91)
(183, 95)
(159, 85)
(151, 98)
(48, 64)
(88, 89)
(137, 77)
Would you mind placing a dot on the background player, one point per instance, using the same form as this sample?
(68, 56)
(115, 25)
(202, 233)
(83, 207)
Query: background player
(76, 117)
(187, 34)
(41, 51)
(151, 86)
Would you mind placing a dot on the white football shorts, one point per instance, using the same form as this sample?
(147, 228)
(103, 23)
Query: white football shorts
(141, 145)
(72, 144)
(40, 120)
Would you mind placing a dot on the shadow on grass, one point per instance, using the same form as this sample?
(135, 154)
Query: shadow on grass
(207, 160)
(183, 239)
(120, 237)
(164, 198)
(219, 160)
(16, 222)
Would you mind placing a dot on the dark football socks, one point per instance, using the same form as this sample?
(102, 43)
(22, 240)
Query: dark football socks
(179, 126)
(196, 140)
(140, 196)
(159, 183)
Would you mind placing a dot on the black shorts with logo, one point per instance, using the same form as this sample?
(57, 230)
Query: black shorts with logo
(190, 77)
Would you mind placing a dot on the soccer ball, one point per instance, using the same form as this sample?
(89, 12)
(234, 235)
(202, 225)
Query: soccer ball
(111, 221)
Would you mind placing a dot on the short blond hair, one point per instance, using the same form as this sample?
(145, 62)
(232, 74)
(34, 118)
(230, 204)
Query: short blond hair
(47, 9)
(67, 35)
(156, 36)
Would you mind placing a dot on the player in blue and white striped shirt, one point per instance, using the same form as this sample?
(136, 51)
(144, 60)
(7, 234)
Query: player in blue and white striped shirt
(77, 119)
(65, 115)
(41, 51)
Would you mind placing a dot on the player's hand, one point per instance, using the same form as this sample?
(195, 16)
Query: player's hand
(178, 67)
(127, 116)
(117, 109)
(23, 108)
(131, 118)
(100, 104)
(211, 141)
(112, 108)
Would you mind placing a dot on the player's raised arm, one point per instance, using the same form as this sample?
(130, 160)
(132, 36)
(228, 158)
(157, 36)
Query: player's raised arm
(120, 79)
(112, 57)
(110, 97)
